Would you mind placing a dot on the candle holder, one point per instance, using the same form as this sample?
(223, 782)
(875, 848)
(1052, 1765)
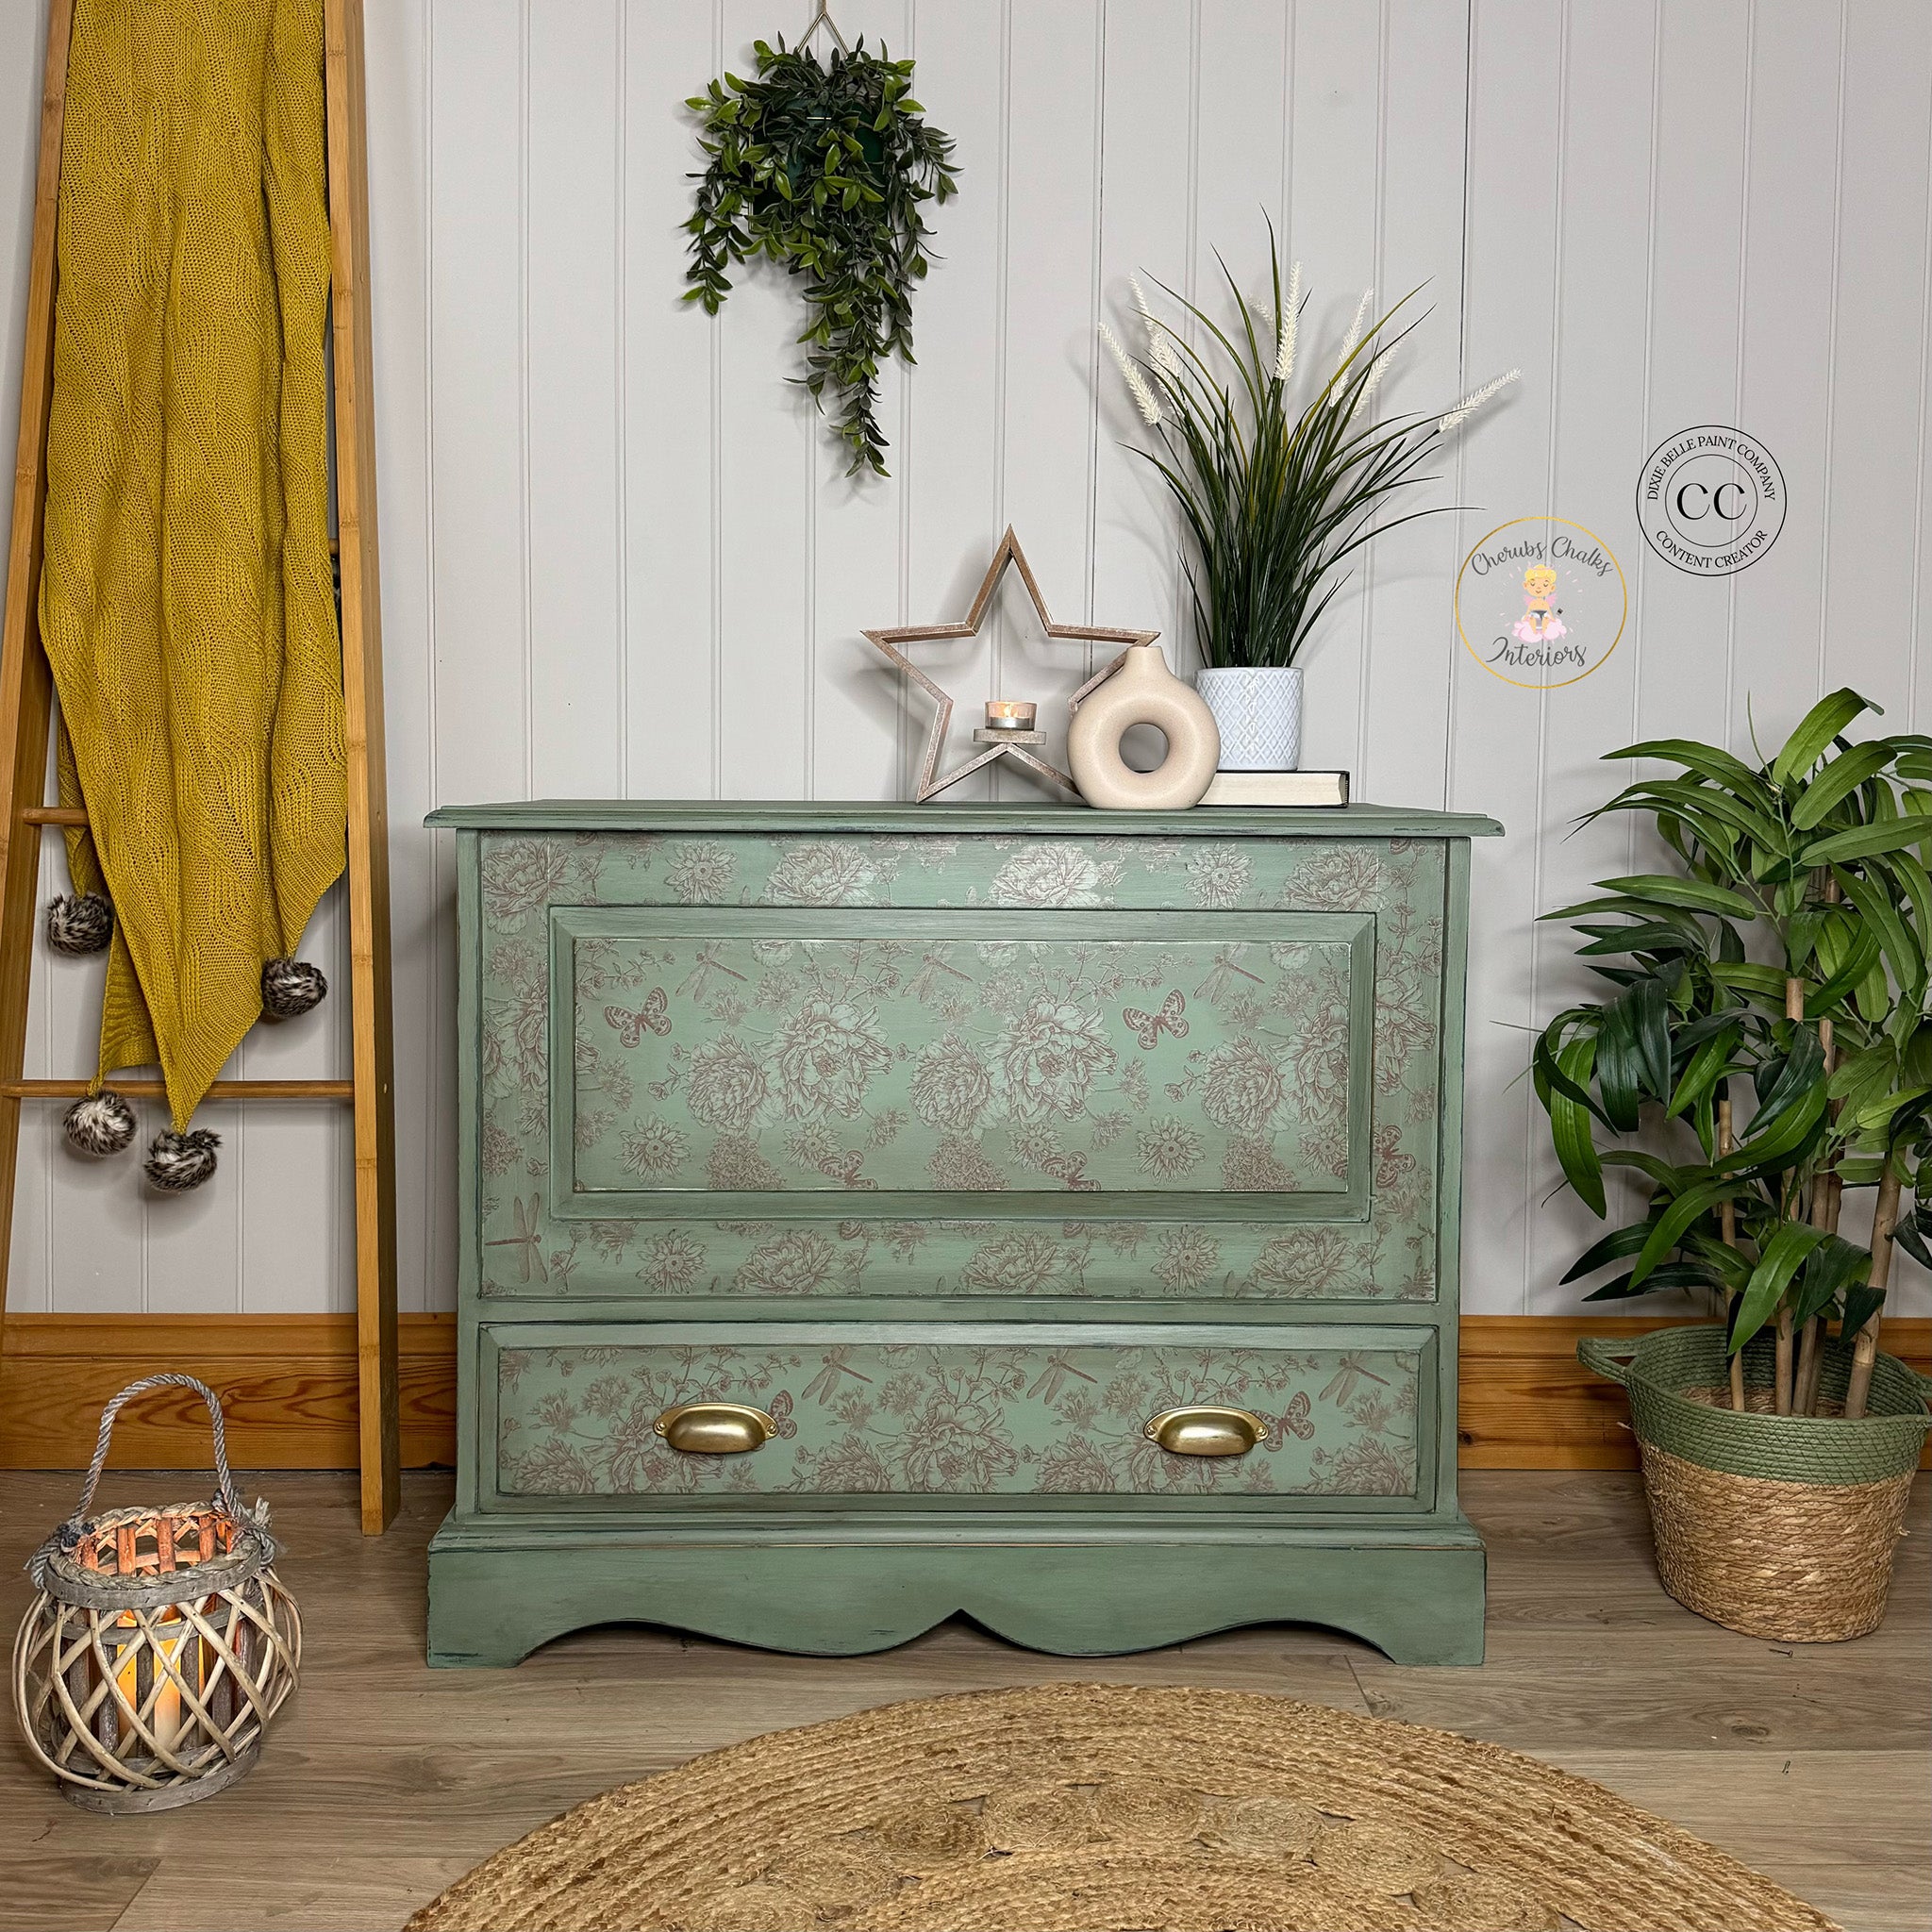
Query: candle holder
(1010, 730)
(161, 1642)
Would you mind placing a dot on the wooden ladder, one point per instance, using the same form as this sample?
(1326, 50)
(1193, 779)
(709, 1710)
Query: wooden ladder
(25, 709)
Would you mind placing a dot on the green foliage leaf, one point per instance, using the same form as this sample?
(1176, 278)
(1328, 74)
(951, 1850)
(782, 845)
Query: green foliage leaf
(1783, 1254)
(1816, 729)
(823, 169)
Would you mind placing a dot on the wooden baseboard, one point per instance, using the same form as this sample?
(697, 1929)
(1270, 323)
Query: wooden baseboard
(286, 1384)
(288, 1388)
(1527, 1403)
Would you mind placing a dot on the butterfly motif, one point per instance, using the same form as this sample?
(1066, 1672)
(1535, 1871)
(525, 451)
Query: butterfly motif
(1295, 1421)
(630, 1026)
(844, 1167)
(1148, 1027)
(1072, 1169)
(779, 1409)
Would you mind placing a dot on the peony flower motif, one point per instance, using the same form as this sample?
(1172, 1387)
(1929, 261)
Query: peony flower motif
(827, 1055)
(1187, 1258)
(1169, 1148)
(654, 1147)
(671, 1262)
(1049, 1058)
(520, 877)
(1014, 1264)
(725, 1087)
(1219, 876)
(849, 1466)
(1306, 1263)
(516, 1038)
(950, 1087)
(1243, 1088)
(1049, 875)
(700, 872)
(1342, 878)
(1075, 1468)
(957, 1443)
(796, 1263)
(822, 874)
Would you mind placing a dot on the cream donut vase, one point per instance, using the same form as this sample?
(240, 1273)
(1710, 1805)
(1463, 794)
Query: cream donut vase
(1144, 691)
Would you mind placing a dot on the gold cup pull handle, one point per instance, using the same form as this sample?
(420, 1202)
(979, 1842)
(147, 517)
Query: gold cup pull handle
(714, 1428)
(1205, 1429)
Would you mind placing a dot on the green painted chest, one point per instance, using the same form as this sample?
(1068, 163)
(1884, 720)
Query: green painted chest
(871, 1213)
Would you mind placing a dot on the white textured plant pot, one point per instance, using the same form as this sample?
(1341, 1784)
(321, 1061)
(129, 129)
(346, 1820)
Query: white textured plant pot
(1260, 713)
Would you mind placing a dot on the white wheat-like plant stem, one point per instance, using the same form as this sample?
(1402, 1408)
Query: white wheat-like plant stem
(1474, 401)
(1377, 370)
(1285, 334)
(1138, 385)
(1159, 349)
(1355, 328)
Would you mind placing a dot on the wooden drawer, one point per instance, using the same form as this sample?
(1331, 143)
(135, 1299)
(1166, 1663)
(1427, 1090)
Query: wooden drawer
(959, 1410)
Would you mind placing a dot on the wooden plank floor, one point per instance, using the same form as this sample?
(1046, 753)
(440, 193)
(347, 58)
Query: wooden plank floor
(385, 1780)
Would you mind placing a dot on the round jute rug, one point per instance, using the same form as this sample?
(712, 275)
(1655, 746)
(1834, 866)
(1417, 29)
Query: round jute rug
(1089, 1808)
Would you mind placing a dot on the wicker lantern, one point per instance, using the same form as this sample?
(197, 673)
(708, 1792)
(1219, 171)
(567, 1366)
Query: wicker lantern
(161, 1644)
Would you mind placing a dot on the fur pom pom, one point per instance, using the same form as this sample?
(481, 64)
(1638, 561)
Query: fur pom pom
(179, 1161)
(100, 1123)
(84, 924)
(291, 987)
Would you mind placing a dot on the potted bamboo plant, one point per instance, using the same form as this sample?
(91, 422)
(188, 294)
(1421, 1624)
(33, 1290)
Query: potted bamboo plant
(1280, 480)
(1765, 1045)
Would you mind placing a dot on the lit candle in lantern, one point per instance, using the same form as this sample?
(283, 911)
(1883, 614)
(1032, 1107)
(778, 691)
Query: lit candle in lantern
(1011, 714)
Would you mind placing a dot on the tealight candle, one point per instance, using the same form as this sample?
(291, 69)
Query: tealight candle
(1011, 714)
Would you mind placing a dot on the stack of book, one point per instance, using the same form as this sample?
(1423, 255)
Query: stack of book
(1277, 788)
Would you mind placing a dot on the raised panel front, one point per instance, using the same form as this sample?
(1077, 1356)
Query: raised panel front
(951, 1410)
(781, 1064)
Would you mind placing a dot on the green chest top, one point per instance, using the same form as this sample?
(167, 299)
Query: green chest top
(951, 1152)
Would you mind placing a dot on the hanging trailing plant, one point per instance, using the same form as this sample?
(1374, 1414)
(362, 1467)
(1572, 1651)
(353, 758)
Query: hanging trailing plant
(824, 170)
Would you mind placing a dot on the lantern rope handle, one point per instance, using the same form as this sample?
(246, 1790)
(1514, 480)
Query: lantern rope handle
(226, 1496)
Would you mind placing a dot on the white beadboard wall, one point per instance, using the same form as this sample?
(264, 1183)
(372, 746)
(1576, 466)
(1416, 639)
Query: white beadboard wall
(620, 557)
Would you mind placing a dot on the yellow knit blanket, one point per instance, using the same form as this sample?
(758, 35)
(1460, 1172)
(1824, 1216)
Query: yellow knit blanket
(187, 599)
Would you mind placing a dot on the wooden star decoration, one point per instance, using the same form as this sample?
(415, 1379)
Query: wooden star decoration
(1006, 745)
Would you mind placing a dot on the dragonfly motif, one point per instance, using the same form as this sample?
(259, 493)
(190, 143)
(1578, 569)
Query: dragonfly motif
(922, 981)
(698, 982)
(825, 1384)
(1046, 1386)
(1215, 986)
(1342, 1383)
(630, 1026)
(1148, 1027)
(527, 1239)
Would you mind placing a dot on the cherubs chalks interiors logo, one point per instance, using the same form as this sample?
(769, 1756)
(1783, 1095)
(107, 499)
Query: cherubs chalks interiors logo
(1540, 601)
(1711, 500)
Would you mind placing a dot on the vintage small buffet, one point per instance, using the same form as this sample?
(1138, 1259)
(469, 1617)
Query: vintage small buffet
(872, 1212)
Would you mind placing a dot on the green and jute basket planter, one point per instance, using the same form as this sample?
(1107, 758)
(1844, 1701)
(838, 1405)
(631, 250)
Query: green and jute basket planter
(1781, 1526)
